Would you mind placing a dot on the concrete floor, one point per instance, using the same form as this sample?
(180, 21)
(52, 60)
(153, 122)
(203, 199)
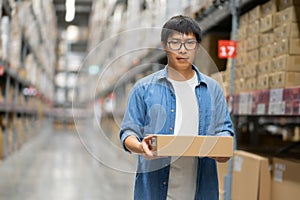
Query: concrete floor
(55, 165)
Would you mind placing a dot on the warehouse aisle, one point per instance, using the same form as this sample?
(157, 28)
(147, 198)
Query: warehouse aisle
(54, 165)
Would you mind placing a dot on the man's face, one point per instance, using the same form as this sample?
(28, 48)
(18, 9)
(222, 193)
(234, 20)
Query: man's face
(181, 49)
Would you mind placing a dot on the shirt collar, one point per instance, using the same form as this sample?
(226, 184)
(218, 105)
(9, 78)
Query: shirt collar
(201, 78)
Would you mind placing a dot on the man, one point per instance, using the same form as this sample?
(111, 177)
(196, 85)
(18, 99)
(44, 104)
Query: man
(176, 100)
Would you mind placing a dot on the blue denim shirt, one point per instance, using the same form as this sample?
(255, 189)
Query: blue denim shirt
(151, 109)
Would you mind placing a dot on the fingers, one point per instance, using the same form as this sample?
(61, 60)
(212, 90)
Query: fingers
(147, 148)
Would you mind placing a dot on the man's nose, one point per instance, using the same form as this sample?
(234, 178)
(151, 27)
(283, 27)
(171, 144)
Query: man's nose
(182, 48)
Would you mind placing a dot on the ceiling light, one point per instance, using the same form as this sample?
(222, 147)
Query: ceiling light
(70, 10)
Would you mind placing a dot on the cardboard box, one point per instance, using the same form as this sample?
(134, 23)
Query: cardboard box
(244, 20)
(251, 84)
(253, 28)
(276, 108)
(253, 42)
(267, 23)
(253, 56)
(242, 33)
(266, 38)
(251, 177)
(239, 72)
(211, 146)
(264, 67)
(268, 8)
(285, 179)
(262, 82)
(242, 46)
(276, 95)
(287, 46)
(285, 31)
(287, 15)
(284, 79)
(286, 63)
(254, 14)
(267, 51)
(283, 4)
(250, 70)
(239, 85)
(241, 59)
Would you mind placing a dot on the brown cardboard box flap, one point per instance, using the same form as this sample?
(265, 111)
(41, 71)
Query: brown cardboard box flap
(211, 146)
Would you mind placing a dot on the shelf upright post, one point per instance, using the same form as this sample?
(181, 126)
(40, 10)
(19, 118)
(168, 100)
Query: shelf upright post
(15, 133)
(6, 131)
(234, 29)
(23, 115)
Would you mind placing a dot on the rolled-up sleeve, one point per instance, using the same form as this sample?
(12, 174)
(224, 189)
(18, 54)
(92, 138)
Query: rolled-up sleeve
(134, 118)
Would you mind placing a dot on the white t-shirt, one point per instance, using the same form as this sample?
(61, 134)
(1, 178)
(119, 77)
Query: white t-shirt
(183, 170)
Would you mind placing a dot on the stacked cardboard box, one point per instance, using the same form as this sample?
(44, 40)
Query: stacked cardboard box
(269, 47)
(286, 48)
(285, 179)
(251, 177)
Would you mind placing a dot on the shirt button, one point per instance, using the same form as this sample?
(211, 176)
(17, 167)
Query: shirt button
(171, 128)
(172, 110)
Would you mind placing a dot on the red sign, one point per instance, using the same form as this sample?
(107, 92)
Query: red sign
(227, 49)
(1, 70)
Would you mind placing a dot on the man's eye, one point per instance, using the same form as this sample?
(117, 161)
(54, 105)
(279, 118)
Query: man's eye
(190, 42)
(175, 42)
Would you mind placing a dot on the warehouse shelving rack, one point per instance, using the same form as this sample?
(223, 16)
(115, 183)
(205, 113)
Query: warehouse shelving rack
(17, 104)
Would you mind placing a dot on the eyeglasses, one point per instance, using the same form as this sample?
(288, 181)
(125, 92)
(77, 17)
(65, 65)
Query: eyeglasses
(188, 45)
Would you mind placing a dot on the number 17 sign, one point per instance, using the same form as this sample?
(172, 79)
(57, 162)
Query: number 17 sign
(226, 49)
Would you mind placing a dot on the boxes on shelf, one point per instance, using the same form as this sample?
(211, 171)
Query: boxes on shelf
(284, 79)
(239, 85)
(211, 146)
(287, 46)
(266, 38)
(242, 33)
(253, 56)
(239, 72)
(266, 52)
(250, 70)
(267, 23)
(241, 59)
(250, 84)
(265, 67)
(254, 169)
(262, 82)
(261, 100)
(242, 46)
(254, 14)
(287, 15)
(285, 31)
(253, 28)
(283, 4)
(286, 63)
(268, 8)
(285, 179)
(244, 19)
(245, 103)
(15, 40)
(253, 42)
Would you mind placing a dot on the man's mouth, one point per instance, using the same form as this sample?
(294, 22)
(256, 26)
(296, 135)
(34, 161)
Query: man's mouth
(182, 58)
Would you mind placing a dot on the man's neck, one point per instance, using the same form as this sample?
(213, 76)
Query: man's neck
(180, 75)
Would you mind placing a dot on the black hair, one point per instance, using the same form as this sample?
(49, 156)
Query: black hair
(181, 24)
